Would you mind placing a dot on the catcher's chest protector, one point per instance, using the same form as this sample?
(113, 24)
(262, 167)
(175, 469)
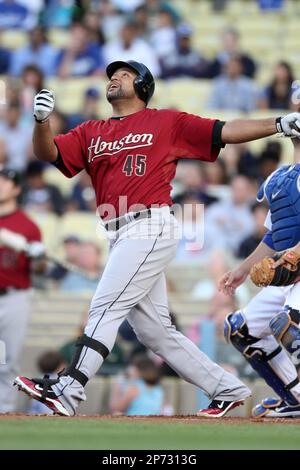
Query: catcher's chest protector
(282, 191)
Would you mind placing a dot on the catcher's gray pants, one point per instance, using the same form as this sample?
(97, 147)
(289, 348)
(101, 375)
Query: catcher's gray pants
(14, 313)
(133, 286)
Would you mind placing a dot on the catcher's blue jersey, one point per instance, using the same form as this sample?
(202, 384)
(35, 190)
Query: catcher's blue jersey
(282, 191)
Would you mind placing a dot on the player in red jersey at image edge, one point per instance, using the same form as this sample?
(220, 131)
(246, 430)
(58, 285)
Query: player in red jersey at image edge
(131, 159)
(20, 253)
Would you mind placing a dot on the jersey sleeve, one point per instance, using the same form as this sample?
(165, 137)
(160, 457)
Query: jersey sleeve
(71, 151)
(34, 234)
(193, 137)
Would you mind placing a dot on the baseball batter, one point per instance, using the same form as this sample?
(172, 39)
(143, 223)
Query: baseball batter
(132, 159)
(272, 318)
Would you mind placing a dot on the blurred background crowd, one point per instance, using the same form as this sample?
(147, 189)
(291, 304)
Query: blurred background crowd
(216, 58)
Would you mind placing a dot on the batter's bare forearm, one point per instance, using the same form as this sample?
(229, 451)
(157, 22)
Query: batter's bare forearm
(43, 144)
(245, 130)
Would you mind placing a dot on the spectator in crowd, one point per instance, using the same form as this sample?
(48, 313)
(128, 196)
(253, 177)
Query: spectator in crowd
(83, 195)
(5, 57)
(130, 47)
(58, 13)
(155, 6)
(278, 94)
(51, 363)
(190, 176)
(260, 211)
(232, 220)
(231, 47)
(197, 238)
(269, 159)
(16, 138)
(163, 37)
(139, 393)
(112, 19)
(38, 52)
(92, 21)
(90, 262)
(81, 57)
(238, 158)
(141, 18)
(38, 195)
(71, 247)
(16, 14)
(233, 90)
(184, 61)
(220, 306)
(32, 82)
(216, 175)
(89, 110)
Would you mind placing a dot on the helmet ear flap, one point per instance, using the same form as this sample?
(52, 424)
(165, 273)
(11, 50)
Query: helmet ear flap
(141, 88)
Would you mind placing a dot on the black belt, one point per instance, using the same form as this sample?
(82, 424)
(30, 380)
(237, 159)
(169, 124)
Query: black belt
(116, 224)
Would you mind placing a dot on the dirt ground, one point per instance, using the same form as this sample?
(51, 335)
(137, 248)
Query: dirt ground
(166, 419)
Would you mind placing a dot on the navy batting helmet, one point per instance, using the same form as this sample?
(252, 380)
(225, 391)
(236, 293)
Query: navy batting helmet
(144, 82)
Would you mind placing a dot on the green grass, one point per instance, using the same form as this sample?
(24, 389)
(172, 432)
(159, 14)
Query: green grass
(60, 433)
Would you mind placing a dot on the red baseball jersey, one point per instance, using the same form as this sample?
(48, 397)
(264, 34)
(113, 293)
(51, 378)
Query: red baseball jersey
(132, 160)
(15, 267)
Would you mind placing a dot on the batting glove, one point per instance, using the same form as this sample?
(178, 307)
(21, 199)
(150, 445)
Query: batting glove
(43, 105)
(289, 125)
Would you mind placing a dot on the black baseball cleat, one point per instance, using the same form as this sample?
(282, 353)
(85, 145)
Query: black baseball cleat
(40, 390)
(219, 408)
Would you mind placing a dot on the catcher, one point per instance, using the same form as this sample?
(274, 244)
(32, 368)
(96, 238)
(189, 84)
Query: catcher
(267, 330)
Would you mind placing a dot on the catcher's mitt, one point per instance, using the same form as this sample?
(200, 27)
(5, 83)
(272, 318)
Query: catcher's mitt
(277, 271)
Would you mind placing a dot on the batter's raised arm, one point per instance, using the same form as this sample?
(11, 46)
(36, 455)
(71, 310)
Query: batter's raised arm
(245, 130)
(43, 144)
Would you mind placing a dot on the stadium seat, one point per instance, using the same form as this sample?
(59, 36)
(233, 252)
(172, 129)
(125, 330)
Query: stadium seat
(59, 37)
(13, 39)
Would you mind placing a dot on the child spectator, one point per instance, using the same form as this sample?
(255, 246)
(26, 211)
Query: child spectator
(140, 393)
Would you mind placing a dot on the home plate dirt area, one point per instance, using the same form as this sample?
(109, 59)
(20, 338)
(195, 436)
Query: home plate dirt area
(19, 431)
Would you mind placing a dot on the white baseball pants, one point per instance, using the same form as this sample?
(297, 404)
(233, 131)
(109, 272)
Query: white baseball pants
(133, 286)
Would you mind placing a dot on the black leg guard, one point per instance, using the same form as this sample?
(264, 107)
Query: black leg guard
(91, 343)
